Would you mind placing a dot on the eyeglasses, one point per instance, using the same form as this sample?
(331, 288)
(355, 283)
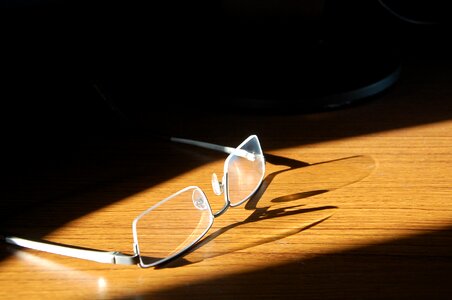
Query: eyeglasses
(158, 233)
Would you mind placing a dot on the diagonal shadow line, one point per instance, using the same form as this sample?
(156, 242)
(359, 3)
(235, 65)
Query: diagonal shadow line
(180, 261)
(298, 196)
(286, 161)
(295, 164)
(335, 160)
(265, 214)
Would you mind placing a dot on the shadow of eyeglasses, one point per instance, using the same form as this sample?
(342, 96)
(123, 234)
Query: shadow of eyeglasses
(266, 211)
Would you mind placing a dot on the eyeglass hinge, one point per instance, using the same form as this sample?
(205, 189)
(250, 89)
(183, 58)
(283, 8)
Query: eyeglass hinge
(124, 259)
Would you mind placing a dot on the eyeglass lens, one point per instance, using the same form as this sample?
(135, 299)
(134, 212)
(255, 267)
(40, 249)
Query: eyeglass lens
(173, 225)
(245, 173)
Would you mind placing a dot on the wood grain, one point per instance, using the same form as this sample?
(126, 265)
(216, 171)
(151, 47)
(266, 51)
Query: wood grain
(356, 204)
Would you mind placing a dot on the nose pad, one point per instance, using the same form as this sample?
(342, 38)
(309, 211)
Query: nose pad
(199, 201)
(216, 185)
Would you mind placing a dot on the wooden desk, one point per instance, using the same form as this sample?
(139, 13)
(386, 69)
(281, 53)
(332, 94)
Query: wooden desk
(356, 204)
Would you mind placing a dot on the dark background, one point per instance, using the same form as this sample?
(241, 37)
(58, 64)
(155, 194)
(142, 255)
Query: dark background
(56, 55)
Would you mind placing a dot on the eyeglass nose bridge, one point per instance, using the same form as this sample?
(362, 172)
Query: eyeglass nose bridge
(217, 186)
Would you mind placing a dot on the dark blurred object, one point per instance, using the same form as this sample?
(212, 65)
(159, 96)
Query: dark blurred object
(299, 61)
(289, 56)
(253, 55)
(420, 12)
(422, 28)
(294, 59)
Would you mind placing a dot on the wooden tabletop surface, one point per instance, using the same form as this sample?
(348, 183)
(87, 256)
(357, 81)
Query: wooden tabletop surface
(356, 203)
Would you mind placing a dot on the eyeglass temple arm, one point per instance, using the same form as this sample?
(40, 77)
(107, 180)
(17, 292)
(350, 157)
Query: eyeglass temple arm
(111, 257)
(220, 148)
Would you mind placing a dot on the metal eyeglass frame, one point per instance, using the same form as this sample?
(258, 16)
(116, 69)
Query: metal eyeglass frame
(115, 257)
